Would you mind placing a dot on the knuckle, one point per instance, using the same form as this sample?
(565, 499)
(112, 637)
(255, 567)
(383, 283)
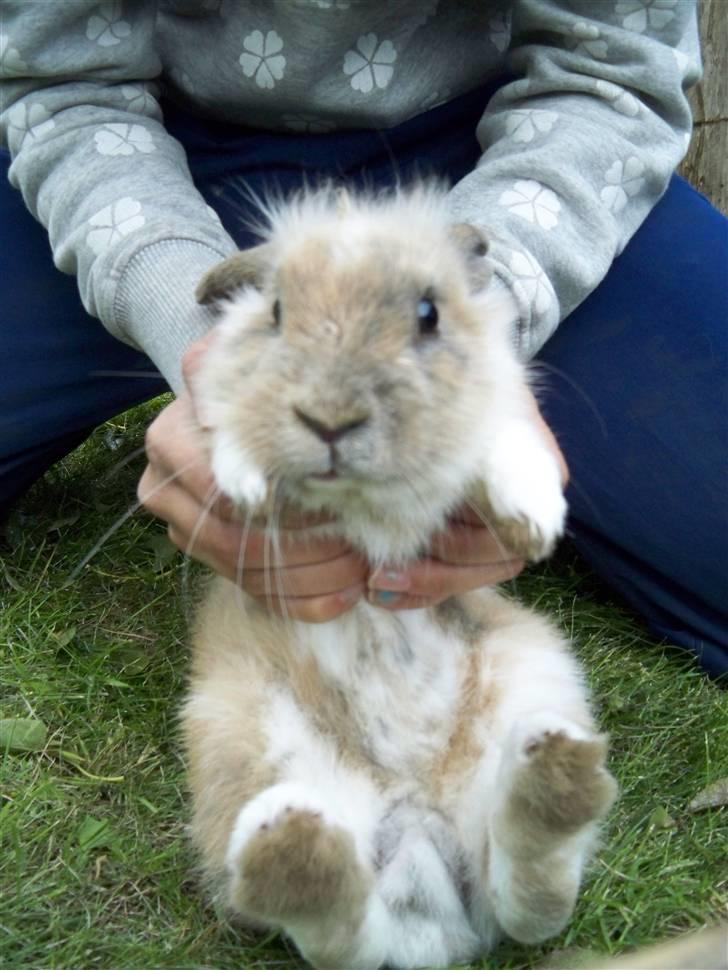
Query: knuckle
(322, 609)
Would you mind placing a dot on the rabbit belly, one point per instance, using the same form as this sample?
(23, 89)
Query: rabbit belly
(401, 676)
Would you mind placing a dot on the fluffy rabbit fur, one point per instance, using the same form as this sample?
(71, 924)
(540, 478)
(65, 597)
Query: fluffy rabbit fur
(388, 788)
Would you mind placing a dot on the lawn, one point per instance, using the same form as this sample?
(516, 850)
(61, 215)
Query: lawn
(95, 870)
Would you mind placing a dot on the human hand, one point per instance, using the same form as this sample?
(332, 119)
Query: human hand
(464, 556)
(301, 576)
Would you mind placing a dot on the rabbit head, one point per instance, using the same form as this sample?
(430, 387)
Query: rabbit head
(360, 351)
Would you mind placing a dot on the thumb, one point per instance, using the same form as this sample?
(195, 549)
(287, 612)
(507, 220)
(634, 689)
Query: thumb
(191, 360)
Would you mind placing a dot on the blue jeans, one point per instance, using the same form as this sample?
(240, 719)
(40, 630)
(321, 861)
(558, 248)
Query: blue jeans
(637, 376)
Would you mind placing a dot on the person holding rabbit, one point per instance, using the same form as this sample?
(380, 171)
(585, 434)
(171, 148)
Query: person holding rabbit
(140, 136)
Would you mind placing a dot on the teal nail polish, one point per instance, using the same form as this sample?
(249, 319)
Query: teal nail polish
(384, 596)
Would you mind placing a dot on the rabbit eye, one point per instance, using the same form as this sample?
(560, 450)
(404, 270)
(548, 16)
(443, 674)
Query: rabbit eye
(427, 317)
(277, 313)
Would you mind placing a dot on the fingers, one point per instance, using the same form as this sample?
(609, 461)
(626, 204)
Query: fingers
(229, 546)
(177, 456)
(464, 556)
(313, 609)
(302, 576)
(193, 356)
(316, 580)
(324, 578)
(466, 544)
(428, 581)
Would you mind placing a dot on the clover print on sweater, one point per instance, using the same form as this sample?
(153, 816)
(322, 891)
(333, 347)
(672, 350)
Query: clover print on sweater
(28, 121)
(262, 59)
(371, 63)
(113, 222)
(500, 31)
(139, 99)
(531, 281)
(533, 202)
(105, 25)
(587, 40)
(11, 63)
(120, 139)
(624, 180)
(639, 14)
(524, 124)
(621, 100)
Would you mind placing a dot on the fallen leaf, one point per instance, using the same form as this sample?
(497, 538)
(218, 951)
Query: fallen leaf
(661, 819)
(712, 796)
(22, 734)
(94, 833)
(64, 638)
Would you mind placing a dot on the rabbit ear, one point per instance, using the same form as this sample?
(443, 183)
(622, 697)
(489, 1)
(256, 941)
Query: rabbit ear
(246, 268)
(473, 245)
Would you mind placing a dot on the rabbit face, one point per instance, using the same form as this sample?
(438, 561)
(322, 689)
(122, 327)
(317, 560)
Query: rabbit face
(358, 374)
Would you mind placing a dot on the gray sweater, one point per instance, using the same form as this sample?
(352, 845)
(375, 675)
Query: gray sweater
(576, 151)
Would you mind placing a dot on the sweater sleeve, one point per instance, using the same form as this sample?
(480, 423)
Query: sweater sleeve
(90, 154)
(579, 146)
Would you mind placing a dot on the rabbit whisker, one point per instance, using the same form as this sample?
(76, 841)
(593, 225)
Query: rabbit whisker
(211, 497)
(125, 517)
(240, 563)
(276, 547)
(109, 474)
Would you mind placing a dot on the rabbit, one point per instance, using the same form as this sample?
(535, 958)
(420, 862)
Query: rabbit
(390, 788)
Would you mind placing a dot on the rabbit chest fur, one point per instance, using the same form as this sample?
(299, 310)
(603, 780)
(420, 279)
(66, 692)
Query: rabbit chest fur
(388, 788)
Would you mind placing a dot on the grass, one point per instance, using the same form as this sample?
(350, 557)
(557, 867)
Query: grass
(95, 870)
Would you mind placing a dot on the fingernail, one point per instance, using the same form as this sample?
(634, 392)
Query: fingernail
(385, 599)
(389, 579)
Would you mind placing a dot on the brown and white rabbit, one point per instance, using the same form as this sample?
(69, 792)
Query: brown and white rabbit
(388, 788)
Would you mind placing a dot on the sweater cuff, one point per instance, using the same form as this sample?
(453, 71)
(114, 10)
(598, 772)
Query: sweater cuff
(155, 307)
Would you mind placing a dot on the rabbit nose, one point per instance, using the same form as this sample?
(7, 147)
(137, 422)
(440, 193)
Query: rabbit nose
(324, 431)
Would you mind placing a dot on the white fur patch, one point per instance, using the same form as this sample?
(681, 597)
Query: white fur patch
(370, 652)
(235, 473)
(524, 482)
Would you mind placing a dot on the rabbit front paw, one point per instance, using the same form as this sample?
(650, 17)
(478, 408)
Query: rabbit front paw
(520, 493)
(237, 475)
